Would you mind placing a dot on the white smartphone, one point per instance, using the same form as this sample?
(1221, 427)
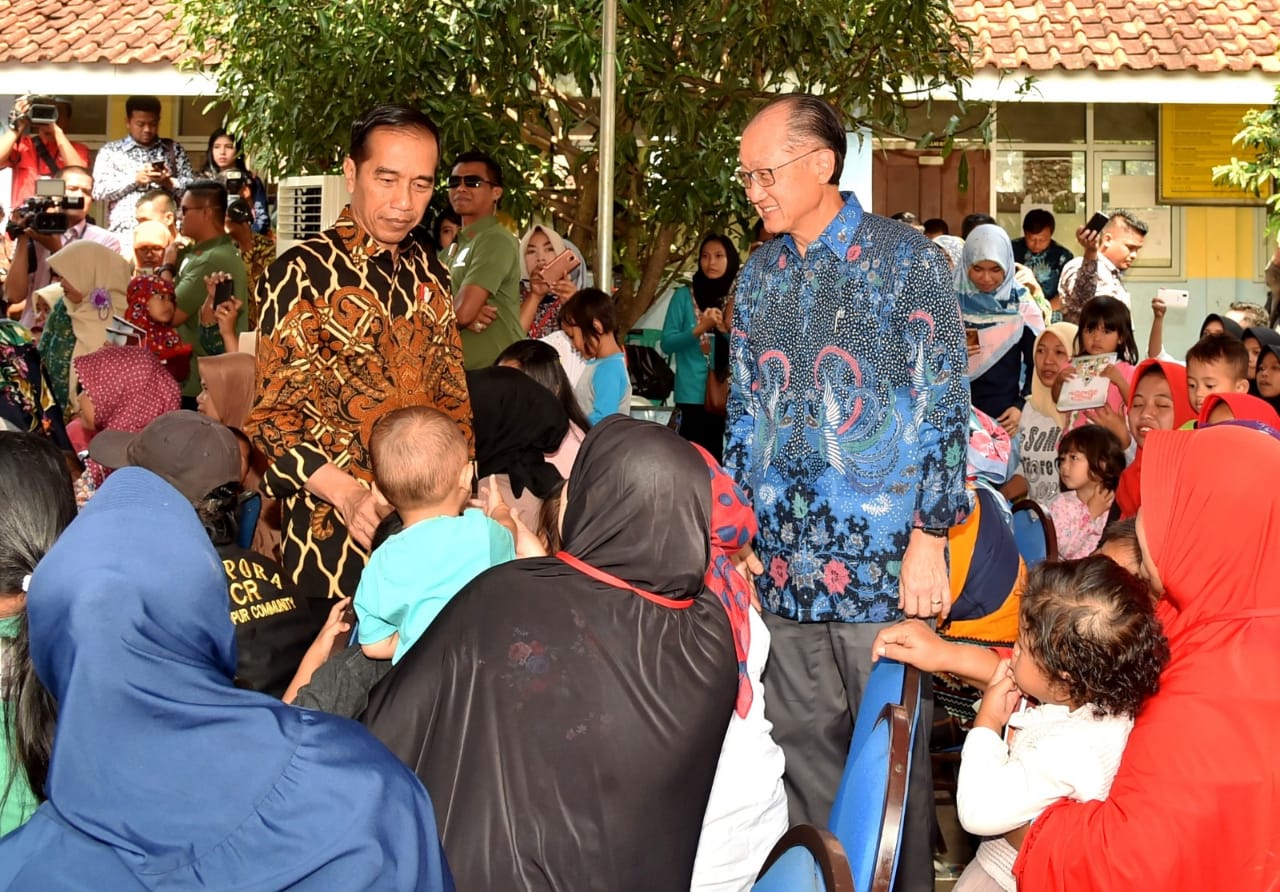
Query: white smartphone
(1172, 297)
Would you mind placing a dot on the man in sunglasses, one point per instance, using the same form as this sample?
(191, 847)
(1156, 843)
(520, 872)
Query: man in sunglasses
(847, 425)
(484, 262)
(353, 322)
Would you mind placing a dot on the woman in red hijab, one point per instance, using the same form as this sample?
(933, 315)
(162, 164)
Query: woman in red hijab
(1196, 802)
(1157, 401)
(1220, 407)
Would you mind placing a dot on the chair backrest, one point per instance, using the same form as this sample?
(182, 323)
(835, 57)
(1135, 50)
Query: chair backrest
(867, 818)
(1033, 531)
(806, 858)
(889, 682)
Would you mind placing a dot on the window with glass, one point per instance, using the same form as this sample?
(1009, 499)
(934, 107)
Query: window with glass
(1073, 159)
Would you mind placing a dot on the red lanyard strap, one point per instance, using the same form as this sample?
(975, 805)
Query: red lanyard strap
(614, 582)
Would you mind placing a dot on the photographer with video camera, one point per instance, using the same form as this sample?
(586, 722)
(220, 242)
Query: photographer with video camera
(42, 226)
(35, 144)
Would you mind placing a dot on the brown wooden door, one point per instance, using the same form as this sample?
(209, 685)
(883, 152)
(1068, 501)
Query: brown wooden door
(901, 183)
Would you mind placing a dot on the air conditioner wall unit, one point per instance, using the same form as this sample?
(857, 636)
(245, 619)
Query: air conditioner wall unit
(306, 206)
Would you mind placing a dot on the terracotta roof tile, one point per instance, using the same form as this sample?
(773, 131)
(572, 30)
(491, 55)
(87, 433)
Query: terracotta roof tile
(117, 32)
(1110, 35)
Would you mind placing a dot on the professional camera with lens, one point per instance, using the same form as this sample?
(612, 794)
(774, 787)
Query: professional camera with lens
(46, 211)
(233, 179)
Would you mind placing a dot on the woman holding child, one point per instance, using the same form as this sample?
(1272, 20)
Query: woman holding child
(567, 713)
(1195, 802)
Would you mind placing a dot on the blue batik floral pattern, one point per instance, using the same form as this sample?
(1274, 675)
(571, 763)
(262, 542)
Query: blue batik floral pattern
(848, 412)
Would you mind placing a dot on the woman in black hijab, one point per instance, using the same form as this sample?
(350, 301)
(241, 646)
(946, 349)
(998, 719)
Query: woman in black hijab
(566, 713)
(696, 333)
(518, 425)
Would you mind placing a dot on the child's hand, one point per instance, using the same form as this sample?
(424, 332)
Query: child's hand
(528, 543)
(1113, 374)
(912, 642)
(335, 624)
(1158, 307)
(1066, 373)
(999, 700)
(495, 507)
(1112, 421)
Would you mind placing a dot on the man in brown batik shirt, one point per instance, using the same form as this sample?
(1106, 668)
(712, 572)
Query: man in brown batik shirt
(354, 322)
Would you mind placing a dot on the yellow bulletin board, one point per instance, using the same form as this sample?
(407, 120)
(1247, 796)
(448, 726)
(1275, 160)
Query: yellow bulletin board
(1194, 139)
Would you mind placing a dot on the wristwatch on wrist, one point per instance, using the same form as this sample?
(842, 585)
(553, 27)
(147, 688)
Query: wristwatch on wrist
(166, 268)
(935, 532)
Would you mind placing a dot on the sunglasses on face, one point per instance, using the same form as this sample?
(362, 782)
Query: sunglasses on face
(471, 181)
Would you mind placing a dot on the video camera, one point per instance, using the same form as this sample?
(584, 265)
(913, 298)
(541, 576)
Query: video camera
(46, 211)
(40, 110)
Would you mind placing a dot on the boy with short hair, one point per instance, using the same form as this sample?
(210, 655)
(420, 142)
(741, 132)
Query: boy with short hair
(421, 467)
(1217, 363)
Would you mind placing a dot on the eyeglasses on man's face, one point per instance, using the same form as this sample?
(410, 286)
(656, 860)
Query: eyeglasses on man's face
(471, 181)
(764, 176)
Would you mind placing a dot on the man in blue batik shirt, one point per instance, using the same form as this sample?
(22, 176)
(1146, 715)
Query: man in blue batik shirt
(847, 425)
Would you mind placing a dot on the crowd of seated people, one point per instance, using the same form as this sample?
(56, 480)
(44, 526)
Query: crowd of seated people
(538, 660)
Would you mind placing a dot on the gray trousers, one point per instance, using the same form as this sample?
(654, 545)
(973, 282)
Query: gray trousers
(813, 685)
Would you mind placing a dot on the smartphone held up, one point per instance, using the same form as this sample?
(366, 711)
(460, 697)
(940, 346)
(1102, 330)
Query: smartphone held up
(564, 263)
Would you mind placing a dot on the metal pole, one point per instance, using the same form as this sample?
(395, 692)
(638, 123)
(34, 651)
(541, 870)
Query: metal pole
(608, 91)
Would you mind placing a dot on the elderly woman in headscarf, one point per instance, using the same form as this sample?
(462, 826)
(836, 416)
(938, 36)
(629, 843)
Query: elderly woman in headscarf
(1000, 326)
(541, 299)
(95, 286)
(567, 713)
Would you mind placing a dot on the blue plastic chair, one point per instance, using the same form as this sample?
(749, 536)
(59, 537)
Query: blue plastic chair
(1033, 531)
(868, 814)
(247, 518)
(806, 859)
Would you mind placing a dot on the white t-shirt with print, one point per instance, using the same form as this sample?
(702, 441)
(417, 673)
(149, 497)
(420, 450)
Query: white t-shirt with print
(1038, 459)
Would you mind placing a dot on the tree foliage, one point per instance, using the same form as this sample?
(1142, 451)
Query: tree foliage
(1260, 136)
(520, 79)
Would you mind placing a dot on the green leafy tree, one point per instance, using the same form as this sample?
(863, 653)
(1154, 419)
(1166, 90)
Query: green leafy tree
(1259, 173)
(521, 80)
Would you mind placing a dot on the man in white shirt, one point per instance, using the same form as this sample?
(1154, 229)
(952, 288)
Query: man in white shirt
(1107, 255)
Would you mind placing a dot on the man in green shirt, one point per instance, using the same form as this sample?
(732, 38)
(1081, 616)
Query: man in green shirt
(484, 263)
(201, 215)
